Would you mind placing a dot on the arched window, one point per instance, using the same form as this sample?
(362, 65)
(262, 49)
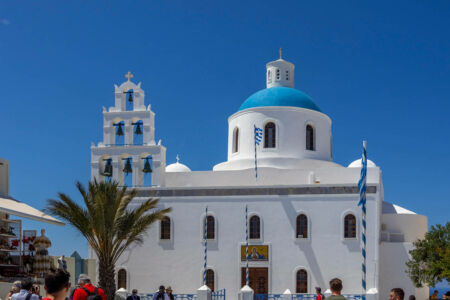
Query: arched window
(236, 140)
(301, 282)
(309, 137)
(122, 279)
(269, 76)
(165, 228)
(302, 226)
(210, 231)
(255, 227)
(210, 279)
(349, 226)
(269, 135)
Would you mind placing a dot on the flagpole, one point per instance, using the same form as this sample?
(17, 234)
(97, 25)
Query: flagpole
(362, 185)
(206, 246)
(257, 137)
(246, 245)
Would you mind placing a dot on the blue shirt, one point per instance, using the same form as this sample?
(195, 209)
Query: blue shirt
(22, 295)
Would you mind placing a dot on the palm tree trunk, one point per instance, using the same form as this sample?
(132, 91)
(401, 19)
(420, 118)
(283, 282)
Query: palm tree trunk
(107, 278)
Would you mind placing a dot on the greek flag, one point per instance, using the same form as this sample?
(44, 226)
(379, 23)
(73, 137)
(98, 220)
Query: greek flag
(205, 257)
(258, 139)
(246, 245)
(362, 202)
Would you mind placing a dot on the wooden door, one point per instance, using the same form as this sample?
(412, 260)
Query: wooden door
(258, 279)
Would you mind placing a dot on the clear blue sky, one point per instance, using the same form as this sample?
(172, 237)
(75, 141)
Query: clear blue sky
(380, 70)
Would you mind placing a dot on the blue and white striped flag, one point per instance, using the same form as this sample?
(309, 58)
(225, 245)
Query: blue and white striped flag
(258, 138)
(362, 202)
(205, 258)
(246, 245)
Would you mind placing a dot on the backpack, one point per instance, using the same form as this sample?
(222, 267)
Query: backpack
(94, 296)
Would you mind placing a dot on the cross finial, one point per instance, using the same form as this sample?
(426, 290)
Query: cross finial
(178, 158)
(280, 52)
(129, 75)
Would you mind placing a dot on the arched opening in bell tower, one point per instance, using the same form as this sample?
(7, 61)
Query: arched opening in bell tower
(146, 170)
(129, 100)
(138, 132)
(126, 168)
(119, 133)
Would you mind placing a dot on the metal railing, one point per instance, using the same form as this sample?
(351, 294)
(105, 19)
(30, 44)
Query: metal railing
(219, 295)
(176, 296)
(303, 296)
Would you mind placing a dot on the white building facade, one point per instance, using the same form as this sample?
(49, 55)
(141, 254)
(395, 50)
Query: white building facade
(304, 222)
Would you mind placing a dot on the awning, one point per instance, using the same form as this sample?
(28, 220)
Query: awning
(20, 209)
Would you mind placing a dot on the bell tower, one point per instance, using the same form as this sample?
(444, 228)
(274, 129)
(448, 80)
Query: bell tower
(280, 73)
(128, 153)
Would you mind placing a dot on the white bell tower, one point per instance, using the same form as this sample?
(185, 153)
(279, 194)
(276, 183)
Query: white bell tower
(280, 73)
(128, 153)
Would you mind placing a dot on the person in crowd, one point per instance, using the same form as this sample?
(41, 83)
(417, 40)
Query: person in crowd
(36, 290)
(26, 287)
(87, 289)
(435, 295)
(56, 284)
(336, 288)
(397, 294)
(412, 297)
(134, 295)
(169, 293)
(15, 288)
(446, 295)
(160, 294)
(319, 295)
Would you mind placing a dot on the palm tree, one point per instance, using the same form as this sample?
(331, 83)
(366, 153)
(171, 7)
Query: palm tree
(108, 223)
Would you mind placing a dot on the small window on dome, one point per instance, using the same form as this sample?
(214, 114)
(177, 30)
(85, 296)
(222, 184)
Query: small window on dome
(236, 140)
(310, 138)
(287, 75)
(278, 74)
(269, 76)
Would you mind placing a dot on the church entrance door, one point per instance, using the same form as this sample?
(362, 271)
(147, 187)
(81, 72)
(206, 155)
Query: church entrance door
(258, 279)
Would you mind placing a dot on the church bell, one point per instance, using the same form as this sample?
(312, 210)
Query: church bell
(130, 97)
(127, 168)
(147, 167)
(138, 129)
(108, 168)
(119, 131)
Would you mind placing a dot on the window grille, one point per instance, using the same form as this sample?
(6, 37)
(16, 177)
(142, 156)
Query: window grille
(302, 282)
(269, 135)
(302, 226)
(165, 229)
(255, 227)
(350, 226)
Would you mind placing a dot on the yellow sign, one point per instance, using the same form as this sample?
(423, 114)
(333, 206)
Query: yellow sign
(256, 253)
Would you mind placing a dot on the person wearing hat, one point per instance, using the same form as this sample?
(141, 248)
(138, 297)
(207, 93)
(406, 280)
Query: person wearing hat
(134, 295)
(169, 293)
(319, 295)
(87, 289)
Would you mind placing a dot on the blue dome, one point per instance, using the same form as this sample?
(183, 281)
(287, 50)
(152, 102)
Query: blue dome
(279, 96)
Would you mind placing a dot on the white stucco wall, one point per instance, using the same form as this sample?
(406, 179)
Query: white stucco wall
(325, 254)
(393, 258)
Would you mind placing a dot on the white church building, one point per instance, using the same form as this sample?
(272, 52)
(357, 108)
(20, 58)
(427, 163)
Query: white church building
(303, 218)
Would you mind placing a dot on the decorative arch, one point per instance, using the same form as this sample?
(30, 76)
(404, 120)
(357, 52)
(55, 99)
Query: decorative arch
(122, 278)
(105, 167)
(165, 232)
(310, 138)
(254, 227)
(350, 226)
(270, 135)
(235, 145)
(302, 226)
